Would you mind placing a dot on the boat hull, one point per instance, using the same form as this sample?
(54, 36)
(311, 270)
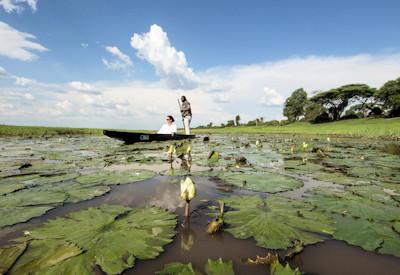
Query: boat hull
(133, 137)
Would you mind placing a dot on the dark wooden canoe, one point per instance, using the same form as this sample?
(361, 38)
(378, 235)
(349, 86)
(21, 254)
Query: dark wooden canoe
(131, 137)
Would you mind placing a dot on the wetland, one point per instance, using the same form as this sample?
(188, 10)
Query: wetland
(92, 205)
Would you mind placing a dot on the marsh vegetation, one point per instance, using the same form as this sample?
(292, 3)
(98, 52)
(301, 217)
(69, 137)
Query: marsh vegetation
(93, 205)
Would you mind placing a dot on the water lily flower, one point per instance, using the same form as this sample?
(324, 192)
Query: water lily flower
(27, 233)
(188, 189)
(328, 139)
(305, 145)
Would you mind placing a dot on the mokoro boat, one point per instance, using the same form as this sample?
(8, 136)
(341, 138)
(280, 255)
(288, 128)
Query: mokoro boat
(132, 137)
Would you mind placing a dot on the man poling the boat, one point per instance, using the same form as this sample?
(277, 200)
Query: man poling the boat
(186, 112)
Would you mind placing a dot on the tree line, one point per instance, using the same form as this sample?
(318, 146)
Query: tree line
(345, 102)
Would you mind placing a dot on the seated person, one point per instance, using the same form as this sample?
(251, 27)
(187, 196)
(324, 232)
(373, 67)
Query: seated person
(169, 127)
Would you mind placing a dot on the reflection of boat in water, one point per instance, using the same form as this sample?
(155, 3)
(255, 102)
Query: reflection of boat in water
(132, 137)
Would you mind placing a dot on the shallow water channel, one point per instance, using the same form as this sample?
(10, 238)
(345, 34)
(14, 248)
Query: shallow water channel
(325, 161)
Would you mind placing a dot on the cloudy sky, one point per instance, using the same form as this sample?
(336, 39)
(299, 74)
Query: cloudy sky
(123, 64)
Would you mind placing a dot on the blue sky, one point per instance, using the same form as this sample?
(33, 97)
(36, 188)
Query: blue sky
(241, 57)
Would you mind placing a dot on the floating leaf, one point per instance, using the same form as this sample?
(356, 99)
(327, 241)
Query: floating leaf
(260, 180)
(346, 203)
(177, 269)
(219, 267)
(111, 236)
(275, 222)
(369, 235)
(277, 269)
(13, 215)
(9, 254)
(114, 177)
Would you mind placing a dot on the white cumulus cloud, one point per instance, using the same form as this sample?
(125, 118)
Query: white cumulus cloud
(17, 5)
(82, 87)
(271, 98)
(121, 61)
(18, 45)
(23, 81)
(155, 47)
(3, 71)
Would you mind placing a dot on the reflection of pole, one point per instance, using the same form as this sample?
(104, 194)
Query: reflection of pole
(180, 109)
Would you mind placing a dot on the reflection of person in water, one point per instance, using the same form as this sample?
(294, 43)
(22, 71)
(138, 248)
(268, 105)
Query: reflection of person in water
(169, 127)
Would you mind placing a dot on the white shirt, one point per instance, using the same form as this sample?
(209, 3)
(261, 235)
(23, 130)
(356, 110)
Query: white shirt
(168, 129)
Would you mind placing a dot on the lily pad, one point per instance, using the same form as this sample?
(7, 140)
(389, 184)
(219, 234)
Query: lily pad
(375, 193)
(370, 235)
(260, 180)
(112, 237)
(346, 203)
(219, 267)
(177, 269)
(13, 215)
(275, 222)
(8, 256)
(114, 177)
(277, 269)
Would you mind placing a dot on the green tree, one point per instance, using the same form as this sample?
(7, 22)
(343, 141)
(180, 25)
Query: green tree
(230, 123)
(295, 105)
(316, 113)
(389, 95)
(335, 101)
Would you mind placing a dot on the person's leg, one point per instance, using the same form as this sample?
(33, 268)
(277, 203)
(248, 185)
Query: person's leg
(186, 121)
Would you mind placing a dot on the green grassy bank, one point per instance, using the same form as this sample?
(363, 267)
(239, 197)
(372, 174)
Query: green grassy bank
(369, 128)
(35, 131)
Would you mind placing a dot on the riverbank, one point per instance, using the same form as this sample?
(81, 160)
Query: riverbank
(388, 128)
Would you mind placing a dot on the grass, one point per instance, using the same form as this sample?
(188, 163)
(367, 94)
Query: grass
(34, 131)
(388, 128)
(369, 128)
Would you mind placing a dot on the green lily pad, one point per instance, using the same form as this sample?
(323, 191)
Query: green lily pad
(346, 203)
(375, 193)
(8, 256)
(31, 197)
(13, 215)
(219, 267)
(111, 237)
(114, 177)
(277, 269)
(260, 180)
(177, 269)
(276, 222)
(372, 236)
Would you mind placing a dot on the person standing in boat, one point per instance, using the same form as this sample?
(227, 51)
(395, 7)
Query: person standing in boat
(169, 127)
(186, 114)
